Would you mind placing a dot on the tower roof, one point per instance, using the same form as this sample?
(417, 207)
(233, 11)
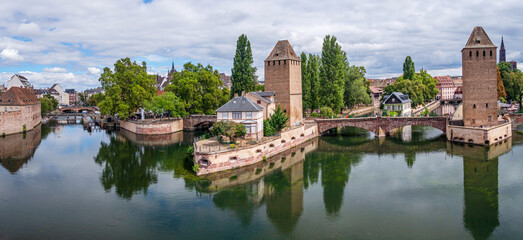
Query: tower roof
(479, 39)
(282, 51)
(502, 43)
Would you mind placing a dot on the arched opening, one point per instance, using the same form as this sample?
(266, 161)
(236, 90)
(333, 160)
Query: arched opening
(204, 163)
(271, 145)
(292, 138)
(302, 135)
(232, 159)
(416, 133)
(203, 125)
(258, 150)
(283, 141)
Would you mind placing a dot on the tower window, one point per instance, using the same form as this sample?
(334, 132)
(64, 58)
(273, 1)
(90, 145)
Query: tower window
(284, 62)
(491, 53)
(477, 53)
(268, 63)
(470, 54)
(273, 62)
(489, 118)
(279, 62)
(473, 121)
(486, 105)
(474, 106)
(483, 53)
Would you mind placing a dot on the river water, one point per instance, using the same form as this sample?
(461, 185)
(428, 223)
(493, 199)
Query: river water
(67, 183)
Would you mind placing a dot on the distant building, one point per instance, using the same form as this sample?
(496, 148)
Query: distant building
(446, 88)
(63, 97)
(161, 82)
(265, 100)
(73, 97)
(18, 80)
(458, 94)
(382, 83)
(458, 81)
(171, 72)
(19, 109)
(502, 53)
(398, 102)
(283, 77)
(226, 80)
(513, 65)
(376, 94)
(90, 92)
(243, 111)
(41, 92)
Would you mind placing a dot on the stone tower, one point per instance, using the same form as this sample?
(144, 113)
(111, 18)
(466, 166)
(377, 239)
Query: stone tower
(479, 80)
(283, 77)
(502, 56)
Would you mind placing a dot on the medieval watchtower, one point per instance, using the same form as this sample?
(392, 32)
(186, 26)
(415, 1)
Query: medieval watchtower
(479, 80)
(283, 77)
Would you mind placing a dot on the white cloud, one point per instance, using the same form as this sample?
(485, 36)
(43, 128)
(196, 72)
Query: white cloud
(28, 29)
(55, 69)
(11, 54)
(94, 71)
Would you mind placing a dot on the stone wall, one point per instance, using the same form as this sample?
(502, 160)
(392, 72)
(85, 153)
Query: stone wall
(13, 121)
(153, 129)
(230, 159)
(479, 87)
(479, 136)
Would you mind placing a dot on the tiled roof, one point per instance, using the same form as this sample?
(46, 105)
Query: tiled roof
(282, 51)
(375, 89)
(445, 81)
(479, 39)
(240, 104)
(17, 96)
(402, 97)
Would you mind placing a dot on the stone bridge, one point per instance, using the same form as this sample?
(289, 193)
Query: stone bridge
(517, 119)
(381, 126)
(77, 109)
(197, 121)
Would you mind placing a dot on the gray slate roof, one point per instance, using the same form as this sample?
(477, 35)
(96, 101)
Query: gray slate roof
(402, 97)
(240, 104)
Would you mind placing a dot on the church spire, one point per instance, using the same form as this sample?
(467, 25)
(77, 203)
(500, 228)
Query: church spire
(502, 54)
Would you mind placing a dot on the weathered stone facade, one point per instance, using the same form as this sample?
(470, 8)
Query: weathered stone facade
(283, 77)
(153, 129)
(19, 107)
(479, 80)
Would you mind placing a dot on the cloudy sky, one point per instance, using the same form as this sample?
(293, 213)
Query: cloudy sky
(70, 42)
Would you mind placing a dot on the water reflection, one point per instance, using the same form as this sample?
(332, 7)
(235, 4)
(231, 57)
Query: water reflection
(18, 149)
(131, 162)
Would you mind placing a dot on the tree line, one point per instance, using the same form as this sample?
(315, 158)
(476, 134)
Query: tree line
(510, 83)
(330, 81)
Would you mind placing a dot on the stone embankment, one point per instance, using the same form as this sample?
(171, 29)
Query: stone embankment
(153, 128)
(226, 159)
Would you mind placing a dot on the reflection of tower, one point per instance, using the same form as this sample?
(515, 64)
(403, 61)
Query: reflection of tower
(284, 197)
(480, 182)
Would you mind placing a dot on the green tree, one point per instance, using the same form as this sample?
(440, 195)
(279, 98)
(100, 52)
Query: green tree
(421, 88)
(268, 130)
(229, 129)
(167, 102)
(313, 70)
(243, 73)
(126, 88)
(260, 88)
(408, 68)
(501, 88)
(356, 88)
(514, 86)
(305, 82)
(278, 119)
(332, 73)
(199, 88)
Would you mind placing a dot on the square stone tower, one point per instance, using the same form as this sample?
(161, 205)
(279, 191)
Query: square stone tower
(283, 77)
(479, 80)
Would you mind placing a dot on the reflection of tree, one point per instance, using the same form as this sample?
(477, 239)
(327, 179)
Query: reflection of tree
(410, 158)
(127, 167)
(242, 201)
(481, 196)
(335, 171)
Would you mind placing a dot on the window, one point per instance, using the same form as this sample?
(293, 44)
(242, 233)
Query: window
(491, 53)
(268, 63)
(258, 102)
(273, 63)
(489, 118)
(279, 62)
(474, 106)
(225, 115)
(236, 115)
(486, 105)
(473, 121)
(284, 62)
(253, 128)
(5, 109)
(248, 115)
(248, 128)
(470, 54)
(477, 53)
(483, 53)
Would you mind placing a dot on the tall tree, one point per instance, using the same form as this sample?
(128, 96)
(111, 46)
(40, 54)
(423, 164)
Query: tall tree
(198, 87)
(501, 87)
(243, 73)
(408, 68)
(332, 73)
(356, 87)
(126, 88)
(313, 69)
(421, 88)
(305, 82)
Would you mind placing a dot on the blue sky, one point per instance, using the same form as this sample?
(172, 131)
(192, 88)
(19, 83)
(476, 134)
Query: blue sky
(70, 42)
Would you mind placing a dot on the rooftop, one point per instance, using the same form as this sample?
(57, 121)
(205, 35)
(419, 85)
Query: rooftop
(282, 51)
(402, 97)
(17, 96)
(240, 104)
(479, 39)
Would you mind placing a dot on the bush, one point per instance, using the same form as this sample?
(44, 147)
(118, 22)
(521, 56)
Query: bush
(268, 130)
(326, 112)
(195, 168)
(264, 159)
(233, 146)
(190, 150)
(24, 128)
(230, 129)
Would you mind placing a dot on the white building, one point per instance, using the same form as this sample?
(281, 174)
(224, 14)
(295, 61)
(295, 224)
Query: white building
(18, 80)
(63, 97)
(243, 111)
(398, 102)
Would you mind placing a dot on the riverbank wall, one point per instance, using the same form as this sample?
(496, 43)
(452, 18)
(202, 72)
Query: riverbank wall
(216, 161)
(480, 136)
(157, 128)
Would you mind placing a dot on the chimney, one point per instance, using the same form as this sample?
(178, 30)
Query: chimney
(243, 93)
(235, 95)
